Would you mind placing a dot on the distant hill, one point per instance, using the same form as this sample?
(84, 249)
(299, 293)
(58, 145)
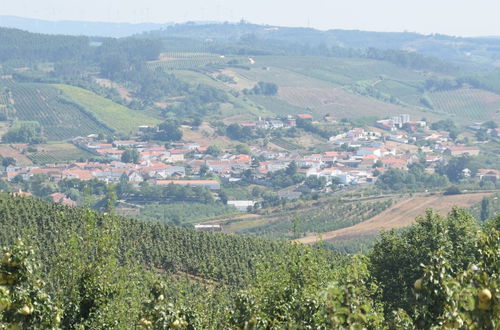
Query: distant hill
(76, 28)
(479, 50)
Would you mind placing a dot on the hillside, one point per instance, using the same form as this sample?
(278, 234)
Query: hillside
(111, 114)
(173, 249)
(399, 215)
(59, 118)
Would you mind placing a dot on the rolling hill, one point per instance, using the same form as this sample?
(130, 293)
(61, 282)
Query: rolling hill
(60, 118)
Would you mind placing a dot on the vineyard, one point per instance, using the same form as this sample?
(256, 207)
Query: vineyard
(185, 61)
(468, 103)
(322, 216)
(287, 145)
(343, 104)
(59, 119)
(215, 256)
(57, 153)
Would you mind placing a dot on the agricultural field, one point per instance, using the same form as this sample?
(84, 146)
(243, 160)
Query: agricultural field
(205, 135)
(180, 61)
(339, 71)
(58, 118)
(111, 114)
(343, 104)
(301, 218)
(184, 212)
(285, 144)
(57, 153)
(10, 150)
(468, 104)
(276, 105)
(399, 215)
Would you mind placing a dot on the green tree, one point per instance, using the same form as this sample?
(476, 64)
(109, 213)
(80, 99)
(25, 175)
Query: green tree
(130, 156)
(396, 258)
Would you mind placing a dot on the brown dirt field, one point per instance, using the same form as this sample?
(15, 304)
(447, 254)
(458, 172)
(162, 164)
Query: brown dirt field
(7, 151)
(122, 91)
(204, 136)
(241, 82)
(236, 217)
(400, 215)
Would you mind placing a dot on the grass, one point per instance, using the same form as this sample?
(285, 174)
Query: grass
(112, 114)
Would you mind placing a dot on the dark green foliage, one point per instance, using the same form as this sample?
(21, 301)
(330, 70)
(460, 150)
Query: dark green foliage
(130, 156)
(396, 259)
(265, 88)
(21, 45)
(455, 167)
(444, 125)
(200, 101)
(236, 132)
(26, 132)
(413, 179)
(169, 248)
(168, 131)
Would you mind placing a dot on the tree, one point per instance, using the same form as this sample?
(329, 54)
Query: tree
(213, 150)
(7, 161)
(454, 170)
(130, 156)
(482, 135)
(168, 131)
(291, 168)
(485, 209)
(243, 149)
(396, 257)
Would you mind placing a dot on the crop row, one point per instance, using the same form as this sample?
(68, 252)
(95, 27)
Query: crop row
(60, 120)
(462, 102)
(285, 144)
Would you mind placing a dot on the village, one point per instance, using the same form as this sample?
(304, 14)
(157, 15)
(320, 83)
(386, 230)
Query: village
(357, 157)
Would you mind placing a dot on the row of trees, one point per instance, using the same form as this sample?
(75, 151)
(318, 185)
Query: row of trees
(443, 272)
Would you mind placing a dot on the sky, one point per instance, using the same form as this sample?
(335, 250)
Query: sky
(452, 17)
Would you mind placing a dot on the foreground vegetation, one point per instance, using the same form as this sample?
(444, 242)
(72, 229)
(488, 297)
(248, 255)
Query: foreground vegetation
(84, 269)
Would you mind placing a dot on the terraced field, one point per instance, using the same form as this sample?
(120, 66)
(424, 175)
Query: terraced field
(468, 103)
(59, 118)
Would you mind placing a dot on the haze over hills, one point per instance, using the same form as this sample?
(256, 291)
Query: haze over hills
(78, 28)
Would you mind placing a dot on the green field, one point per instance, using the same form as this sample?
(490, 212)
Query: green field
(179, 61)
(43, 103)
(323, 84)
(112, 114)
(467, 103)
(184, 212)
(57, 153)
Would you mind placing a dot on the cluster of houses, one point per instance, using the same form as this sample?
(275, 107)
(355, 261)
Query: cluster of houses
(400, 122)
(357, 156)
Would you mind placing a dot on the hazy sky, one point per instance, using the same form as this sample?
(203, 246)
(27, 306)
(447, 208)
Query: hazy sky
(454, 17)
